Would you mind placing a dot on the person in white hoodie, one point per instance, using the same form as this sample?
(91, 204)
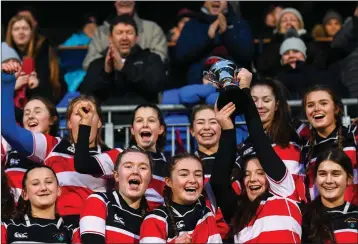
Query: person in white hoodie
(150, 35)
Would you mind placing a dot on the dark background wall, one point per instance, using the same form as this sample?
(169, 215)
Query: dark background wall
(59, 19)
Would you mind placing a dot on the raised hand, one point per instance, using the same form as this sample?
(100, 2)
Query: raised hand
(108, 63)
(222, 23)
(212, 29)
(11, 67)
(33, 80)
(22, 80)
(223, 116)
(86, 112)
(244, 78)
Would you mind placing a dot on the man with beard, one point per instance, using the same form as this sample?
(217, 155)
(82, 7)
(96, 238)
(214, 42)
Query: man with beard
(126, 74)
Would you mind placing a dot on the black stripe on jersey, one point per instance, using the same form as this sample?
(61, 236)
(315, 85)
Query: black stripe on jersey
(344, 217)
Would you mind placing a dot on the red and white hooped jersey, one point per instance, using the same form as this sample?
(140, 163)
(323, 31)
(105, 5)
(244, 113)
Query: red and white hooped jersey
(322, 144)
(76, 187)
(278, 218)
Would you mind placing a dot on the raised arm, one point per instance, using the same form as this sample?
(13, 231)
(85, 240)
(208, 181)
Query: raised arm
(19, 138)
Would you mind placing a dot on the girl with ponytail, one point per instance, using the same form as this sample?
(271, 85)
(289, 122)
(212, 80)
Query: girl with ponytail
(184, 216)
(324, 111)
(329, 218)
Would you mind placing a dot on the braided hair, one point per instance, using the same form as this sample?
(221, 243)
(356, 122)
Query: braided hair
(168, 193)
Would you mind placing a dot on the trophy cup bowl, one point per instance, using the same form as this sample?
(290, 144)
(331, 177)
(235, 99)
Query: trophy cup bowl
(222, 73)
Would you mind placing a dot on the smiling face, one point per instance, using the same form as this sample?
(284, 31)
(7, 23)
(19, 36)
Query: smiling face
(215, 7)
(332, 27)
(332, 181)
(206, 129)
(36, 117)
(146, 128)
(320, 111)
(124, 38)
(41, 188)
(255, 181)
(265, 102)
(186, 181)
(21, 32)
(133, 176)
(289, 20)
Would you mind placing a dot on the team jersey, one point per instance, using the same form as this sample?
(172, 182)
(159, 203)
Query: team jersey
(76, 187)
(322, 144)
(345, 222)
(37, 230)
(291, 156)
(107, 218)
(15, 165)
(196, 220)
(208, 161)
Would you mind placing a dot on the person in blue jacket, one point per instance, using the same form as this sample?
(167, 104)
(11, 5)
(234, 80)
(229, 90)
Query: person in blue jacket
(215, 27)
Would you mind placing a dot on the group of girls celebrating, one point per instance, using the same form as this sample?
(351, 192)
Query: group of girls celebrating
(274, 187)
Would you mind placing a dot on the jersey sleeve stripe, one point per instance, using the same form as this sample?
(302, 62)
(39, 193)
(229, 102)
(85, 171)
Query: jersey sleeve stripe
(92, 224)
(152, 240)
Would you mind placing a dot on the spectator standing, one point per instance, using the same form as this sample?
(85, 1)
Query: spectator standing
(150, 34)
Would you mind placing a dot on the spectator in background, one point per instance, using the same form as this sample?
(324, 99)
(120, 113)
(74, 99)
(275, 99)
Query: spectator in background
(331, 24)
(270, 19)
(183, 16)
(125, 74)
(29, 12)
(290, 24)
(84, 36)
(346, 41)
(150, 34)
(215, 27)
(22, 37)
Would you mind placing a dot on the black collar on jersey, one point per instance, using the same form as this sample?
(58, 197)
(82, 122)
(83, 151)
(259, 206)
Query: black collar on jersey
(332, 135)
(342, 208)
(155, 155)
(42, 221)
(202, 155)
(181, 210)
(117, 197)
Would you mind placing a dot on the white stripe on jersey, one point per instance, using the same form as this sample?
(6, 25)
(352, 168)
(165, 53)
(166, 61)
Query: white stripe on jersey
(106, 163)
(92, 224)
(62, 155)
(293, 166)
(346, 230)
(152, 240)
(153, 196)
(81, 180)
(267, 224)
(215, 239)
(119, 230)
(286, 187)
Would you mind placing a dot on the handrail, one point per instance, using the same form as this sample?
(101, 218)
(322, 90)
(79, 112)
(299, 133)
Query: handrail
(176, 107)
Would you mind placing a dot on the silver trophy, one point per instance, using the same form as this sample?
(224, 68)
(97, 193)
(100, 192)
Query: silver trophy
(223, 73)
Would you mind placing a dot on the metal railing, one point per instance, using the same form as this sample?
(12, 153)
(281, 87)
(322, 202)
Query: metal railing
(109, 127)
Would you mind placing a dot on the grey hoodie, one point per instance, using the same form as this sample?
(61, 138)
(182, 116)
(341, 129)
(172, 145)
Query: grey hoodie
(150, 36)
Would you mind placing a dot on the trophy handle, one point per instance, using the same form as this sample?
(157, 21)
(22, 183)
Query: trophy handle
(210, 76)
(237, 70)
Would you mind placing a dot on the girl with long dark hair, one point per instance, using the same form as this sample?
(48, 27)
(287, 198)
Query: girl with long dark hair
(329, 218)
(267, 210)
(184, 217)
(58, 153)
(116, 216)
(324, 111)
(35, 218)
(271, 102)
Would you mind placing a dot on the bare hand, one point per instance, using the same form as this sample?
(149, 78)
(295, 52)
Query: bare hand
(183, 238)
(222, 23)
(355, 121)
(223, 116)
(117, 59)
(21, 81)
(108, 63)
(33, 80)
(244, 78)
(86, 112)
(11, 67)
(212, 29)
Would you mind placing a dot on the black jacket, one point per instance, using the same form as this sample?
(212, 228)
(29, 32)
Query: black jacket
(140, 80)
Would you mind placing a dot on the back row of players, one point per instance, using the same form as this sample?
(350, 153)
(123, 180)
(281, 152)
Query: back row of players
(286, 185)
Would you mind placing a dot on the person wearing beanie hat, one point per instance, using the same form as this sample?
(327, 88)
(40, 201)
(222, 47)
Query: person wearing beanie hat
(8, 53)
(290, 18)
(292, 50)
(332, 23)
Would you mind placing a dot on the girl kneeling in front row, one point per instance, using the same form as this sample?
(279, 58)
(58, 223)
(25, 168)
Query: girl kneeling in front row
(184, 217)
